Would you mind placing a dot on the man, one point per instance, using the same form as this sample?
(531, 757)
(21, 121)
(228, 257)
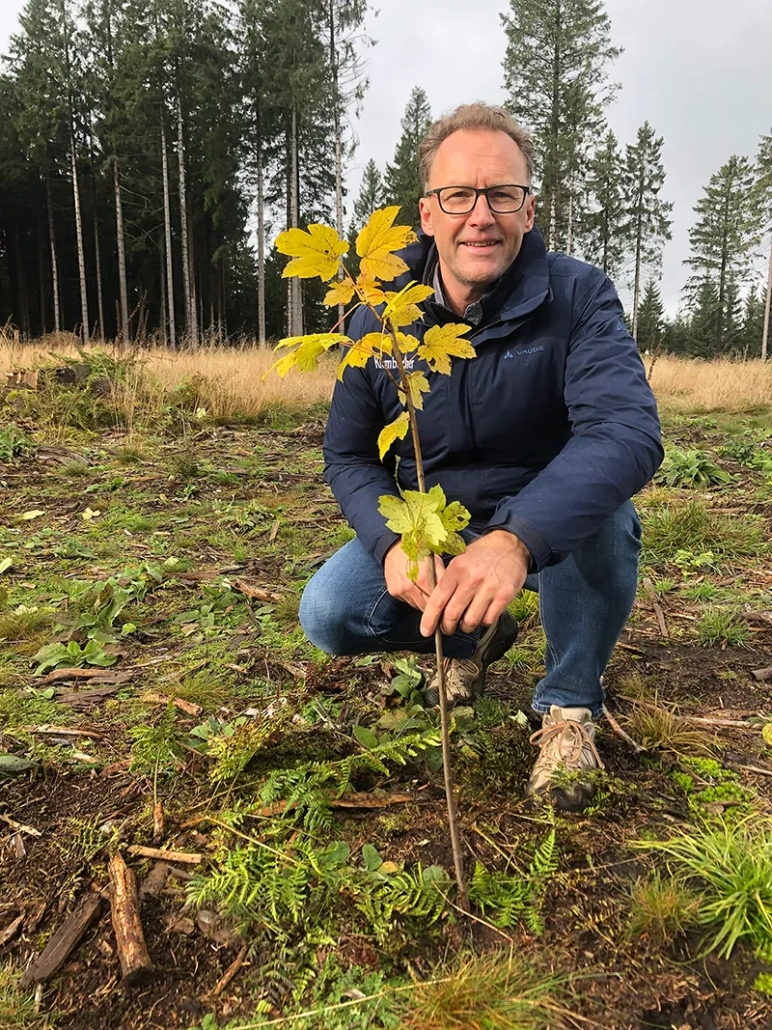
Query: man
(544, 436)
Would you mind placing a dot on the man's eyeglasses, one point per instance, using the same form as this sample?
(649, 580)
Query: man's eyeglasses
(461, 200)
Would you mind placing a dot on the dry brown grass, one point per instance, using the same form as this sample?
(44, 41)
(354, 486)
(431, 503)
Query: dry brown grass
(684, 384)
(230, 378)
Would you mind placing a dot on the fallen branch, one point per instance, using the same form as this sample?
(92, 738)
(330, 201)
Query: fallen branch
(21, 827)
(648, 586)
(621, 733)
(93, 675)
(64, 941)
(230, 972)
(64, 731)
(132, 950)
(166, 856)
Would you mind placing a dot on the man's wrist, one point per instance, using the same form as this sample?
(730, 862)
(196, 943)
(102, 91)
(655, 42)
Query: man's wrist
(515, 542)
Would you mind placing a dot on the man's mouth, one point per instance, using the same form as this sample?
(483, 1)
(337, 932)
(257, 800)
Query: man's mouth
(479, 244)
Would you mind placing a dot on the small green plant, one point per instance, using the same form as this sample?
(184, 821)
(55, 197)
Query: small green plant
(14, 443)
(17, 1006)
(691, 527)
(506, 898)
(722, 628)
(690, 468)
(732, 867)
(156, 748)
(72, 655)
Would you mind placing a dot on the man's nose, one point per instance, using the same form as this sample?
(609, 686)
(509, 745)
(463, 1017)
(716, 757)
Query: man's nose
(481, 213)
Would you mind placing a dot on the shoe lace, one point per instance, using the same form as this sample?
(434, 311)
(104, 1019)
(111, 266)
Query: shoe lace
(566, 731)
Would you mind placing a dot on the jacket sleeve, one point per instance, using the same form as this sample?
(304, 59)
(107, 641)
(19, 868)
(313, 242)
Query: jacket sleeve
(353, 469)
(615, 446)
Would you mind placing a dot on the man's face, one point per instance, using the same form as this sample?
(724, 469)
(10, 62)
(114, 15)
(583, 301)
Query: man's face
(476, 249)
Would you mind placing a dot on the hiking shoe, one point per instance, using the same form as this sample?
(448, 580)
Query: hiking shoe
(566, 745)
(465, 677)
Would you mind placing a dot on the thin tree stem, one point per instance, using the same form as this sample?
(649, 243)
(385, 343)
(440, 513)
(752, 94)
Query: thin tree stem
(450, 797)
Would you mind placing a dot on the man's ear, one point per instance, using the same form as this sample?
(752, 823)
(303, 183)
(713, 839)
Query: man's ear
(530, 212)
(425, 209)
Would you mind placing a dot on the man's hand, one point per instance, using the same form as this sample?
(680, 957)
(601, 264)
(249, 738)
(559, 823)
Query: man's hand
(478, 584)
(395, 568)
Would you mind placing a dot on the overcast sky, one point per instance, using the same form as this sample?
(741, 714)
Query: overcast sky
(699, 70)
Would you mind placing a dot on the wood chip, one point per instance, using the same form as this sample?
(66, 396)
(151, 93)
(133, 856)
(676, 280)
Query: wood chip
(762, 675)
(129, 936)
(160, 699)
(10, 931)
(64, 940)
(255, 592)
(85, 698)
(155, 881)
(187, 858)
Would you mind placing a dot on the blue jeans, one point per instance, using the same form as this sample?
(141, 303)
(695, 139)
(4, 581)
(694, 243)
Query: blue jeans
(584, 603)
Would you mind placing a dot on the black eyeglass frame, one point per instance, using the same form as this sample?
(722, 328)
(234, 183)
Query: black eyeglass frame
(485, 190)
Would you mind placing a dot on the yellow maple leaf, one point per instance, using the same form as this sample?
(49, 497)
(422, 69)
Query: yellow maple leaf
(396, 430)
(369, 289)
(341, 292)
(305, 351)
(377, 242)
(418, 518)
(315, 252)
(402, 308)
(441, 343)
(406, 343)
(373, 345)
(417, 384)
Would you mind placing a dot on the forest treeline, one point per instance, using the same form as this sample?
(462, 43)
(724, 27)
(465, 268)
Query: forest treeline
(151, 151)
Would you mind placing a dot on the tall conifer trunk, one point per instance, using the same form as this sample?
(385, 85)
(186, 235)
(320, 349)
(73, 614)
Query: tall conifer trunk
(168, 237)
(296, 302)
(765, 333)
(123, 329)
(54, 265)
(191, 328)
(260, 249)
(85, 330)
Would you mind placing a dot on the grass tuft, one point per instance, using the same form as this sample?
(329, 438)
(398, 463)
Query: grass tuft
(656, 727)
(496, 991)
(662, 908)
(722, 628)
(733, 866)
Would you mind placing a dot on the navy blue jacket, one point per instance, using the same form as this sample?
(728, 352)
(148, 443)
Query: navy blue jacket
(545, 433)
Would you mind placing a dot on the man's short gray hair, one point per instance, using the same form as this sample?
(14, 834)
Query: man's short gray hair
(473, 117)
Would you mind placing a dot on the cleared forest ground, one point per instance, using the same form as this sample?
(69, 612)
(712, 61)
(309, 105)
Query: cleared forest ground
(165, 557)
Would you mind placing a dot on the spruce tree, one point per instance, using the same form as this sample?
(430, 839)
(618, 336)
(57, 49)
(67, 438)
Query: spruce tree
(556, 77)
(646, 223)
(603, 232)
(722, 243)
(651, 318)
(403, 185)
(370, 196)
(753, 322)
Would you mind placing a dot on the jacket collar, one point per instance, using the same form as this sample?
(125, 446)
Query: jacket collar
(523, 287)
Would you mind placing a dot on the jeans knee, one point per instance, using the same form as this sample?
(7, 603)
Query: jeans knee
(315, 616)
